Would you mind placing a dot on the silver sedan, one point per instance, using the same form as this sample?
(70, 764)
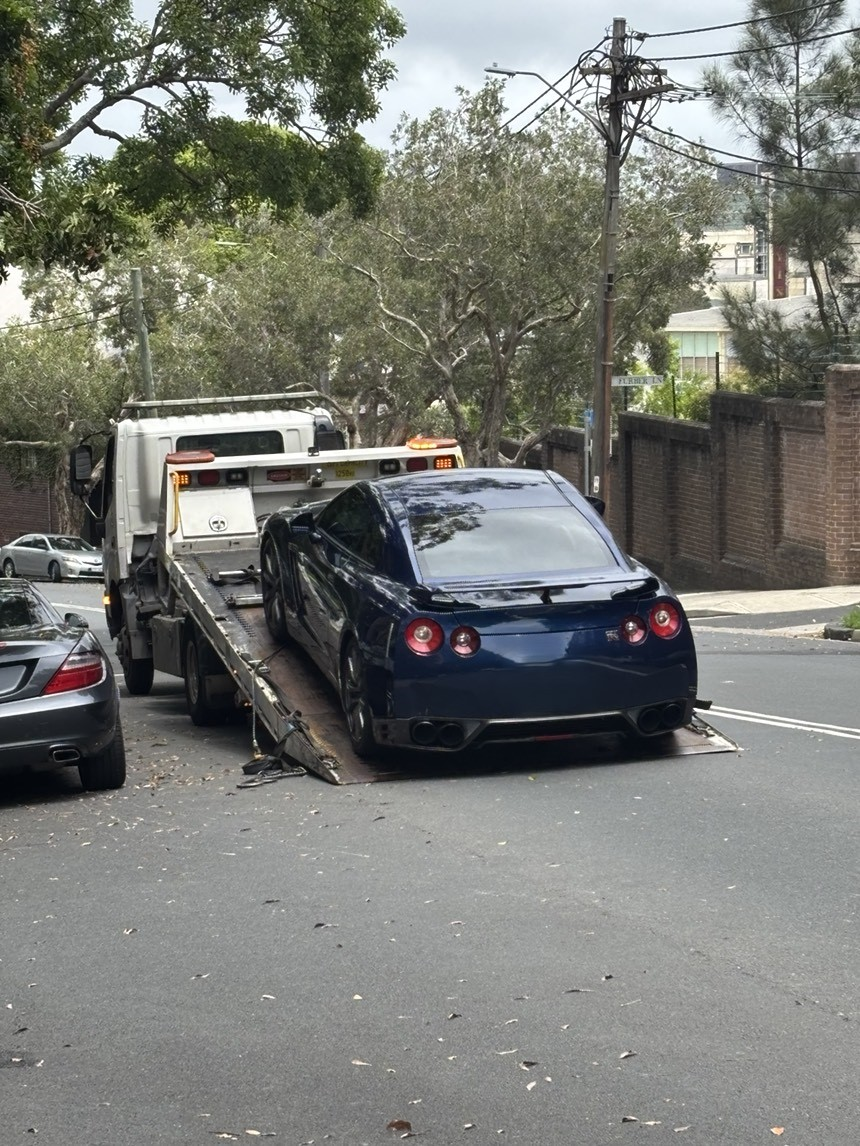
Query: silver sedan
(54, 556)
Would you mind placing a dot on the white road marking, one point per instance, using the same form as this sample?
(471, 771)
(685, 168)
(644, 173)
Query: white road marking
(786, 722)
(78, 608)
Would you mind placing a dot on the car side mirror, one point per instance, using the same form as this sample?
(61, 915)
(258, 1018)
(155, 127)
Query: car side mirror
(80, 468)
(303, 523)
(76, 621)
(596, 503)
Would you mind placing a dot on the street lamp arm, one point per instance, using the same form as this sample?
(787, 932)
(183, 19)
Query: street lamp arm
(511, 72)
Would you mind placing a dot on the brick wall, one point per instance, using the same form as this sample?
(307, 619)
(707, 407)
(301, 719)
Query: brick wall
(765, 495)
(25, 509)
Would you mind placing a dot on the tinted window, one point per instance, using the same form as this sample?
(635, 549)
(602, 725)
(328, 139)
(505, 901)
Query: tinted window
(350, 520)
(507, 543)
(229, 445)
(40, 543)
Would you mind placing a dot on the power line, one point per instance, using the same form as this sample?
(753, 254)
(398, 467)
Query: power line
(752, 159)
(744, 174)
(752, 51)
(736, 24)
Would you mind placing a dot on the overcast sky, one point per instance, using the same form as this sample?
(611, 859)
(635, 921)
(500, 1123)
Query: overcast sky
(449, 43)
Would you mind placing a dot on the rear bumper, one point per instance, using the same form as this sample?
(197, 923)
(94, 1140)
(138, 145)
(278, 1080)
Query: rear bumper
(50, 732)
(454, 734)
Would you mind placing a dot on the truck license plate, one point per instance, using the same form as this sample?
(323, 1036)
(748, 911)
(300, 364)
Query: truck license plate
(344, 472)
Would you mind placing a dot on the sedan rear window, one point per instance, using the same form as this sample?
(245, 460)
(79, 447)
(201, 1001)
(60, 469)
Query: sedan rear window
(507, 543)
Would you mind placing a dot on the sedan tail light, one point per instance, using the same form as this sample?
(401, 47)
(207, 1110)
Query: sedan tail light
(665, 620)
(78, 670)
(424, 636)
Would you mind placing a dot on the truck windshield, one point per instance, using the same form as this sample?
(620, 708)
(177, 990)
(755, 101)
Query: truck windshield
(235, 443)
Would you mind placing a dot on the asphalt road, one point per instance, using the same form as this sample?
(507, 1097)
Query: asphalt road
(532, 952)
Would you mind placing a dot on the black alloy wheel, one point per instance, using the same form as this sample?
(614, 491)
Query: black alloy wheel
(272, 584)
(355, 701)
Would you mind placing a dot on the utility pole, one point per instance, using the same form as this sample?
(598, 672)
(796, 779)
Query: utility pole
(601, 435)
(142, 334)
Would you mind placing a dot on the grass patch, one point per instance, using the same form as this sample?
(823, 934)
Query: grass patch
(851, 620)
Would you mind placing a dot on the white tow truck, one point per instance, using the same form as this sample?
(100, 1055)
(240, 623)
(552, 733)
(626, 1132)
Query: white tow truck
(184, 489)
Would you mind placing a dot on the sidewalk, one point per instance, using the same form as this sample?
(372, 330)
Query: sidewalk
(734, 602)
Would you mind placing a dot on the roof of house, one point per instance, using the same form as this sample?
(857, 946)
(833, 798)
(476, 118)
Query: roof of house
(711, 319)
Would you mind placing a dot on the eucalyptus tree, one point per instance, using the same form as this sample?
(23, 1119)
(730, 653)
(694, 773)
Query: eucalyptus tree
(207, 107)
(482, 255)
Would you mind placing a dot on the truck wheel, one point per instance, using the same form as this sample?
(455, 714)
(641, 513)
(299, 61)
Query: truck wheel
(202, 712)
(107, 769)
(8, 567)
(355, 701)
(54, 572)
(272, 584)
(138, 671)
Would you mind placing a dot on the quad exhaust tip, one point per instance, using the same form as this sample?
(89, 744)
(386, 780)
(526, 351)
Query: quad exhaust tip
(660, 718)
(428, 733)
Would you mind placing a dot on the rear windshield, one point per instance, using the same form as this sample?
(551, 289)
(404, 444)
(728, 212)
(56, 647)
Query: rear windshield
(228, 445)
(71, 544)
(507, 542)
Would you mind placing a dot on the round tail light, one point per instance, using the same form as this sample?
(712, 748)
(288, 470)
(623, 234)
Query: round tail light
(633, 630)
(665, 620)
(424, 636)
(465, 641)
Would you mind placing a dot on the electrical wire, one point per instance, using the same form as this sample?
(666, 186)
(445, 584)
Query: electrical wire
(752, 159)
(753, 51)
(796, 183)
(736, 24)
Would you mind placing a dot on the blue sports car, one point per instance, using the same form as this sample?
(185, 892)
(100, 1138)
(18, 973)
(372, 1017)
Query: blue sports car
(475, 606)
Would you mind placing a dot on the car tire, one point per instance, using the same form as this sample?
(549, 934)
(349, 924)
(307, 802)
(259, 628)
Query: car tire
(107, 769)
(8, 567)
(55, 573)
(355, 701)
(272, 586)
(202, 712)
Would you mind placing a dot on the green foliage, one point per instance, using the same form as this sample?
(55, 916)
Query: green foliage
(793, 93)
(688, 398)
(305, 76)
(851, 620)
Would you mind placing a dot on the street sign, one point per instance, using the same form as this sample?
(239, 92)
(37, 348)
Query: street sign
(637, 379)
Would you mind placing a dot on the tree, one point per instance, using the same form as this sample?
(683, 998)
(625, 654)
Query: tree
(482, 255)
(793, 91)
(73, 72)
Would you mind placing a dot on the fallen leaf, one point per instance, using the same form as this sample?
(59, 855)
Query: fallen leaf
(359, 1062)
(605, 977)
(531, 1085)
(514, 1051)
(578, 991)
(777, 1130)
(629, 1118)
(356, 996)
(455, 1015)
(399, 1124)
(627, 1054)
(129, 931)
(652, 1123)
(316, 925)
(468, 1125)
(527, 1064)
(681, 1129)
(270, 997)
(199, 975)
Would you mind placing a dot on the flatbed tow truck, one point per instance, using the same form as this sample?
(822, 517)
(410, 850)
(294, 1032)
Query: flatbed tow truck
(179, 510)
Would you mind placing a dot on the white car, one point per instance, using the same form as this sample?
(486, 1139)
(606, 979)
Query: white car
(54, 556)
